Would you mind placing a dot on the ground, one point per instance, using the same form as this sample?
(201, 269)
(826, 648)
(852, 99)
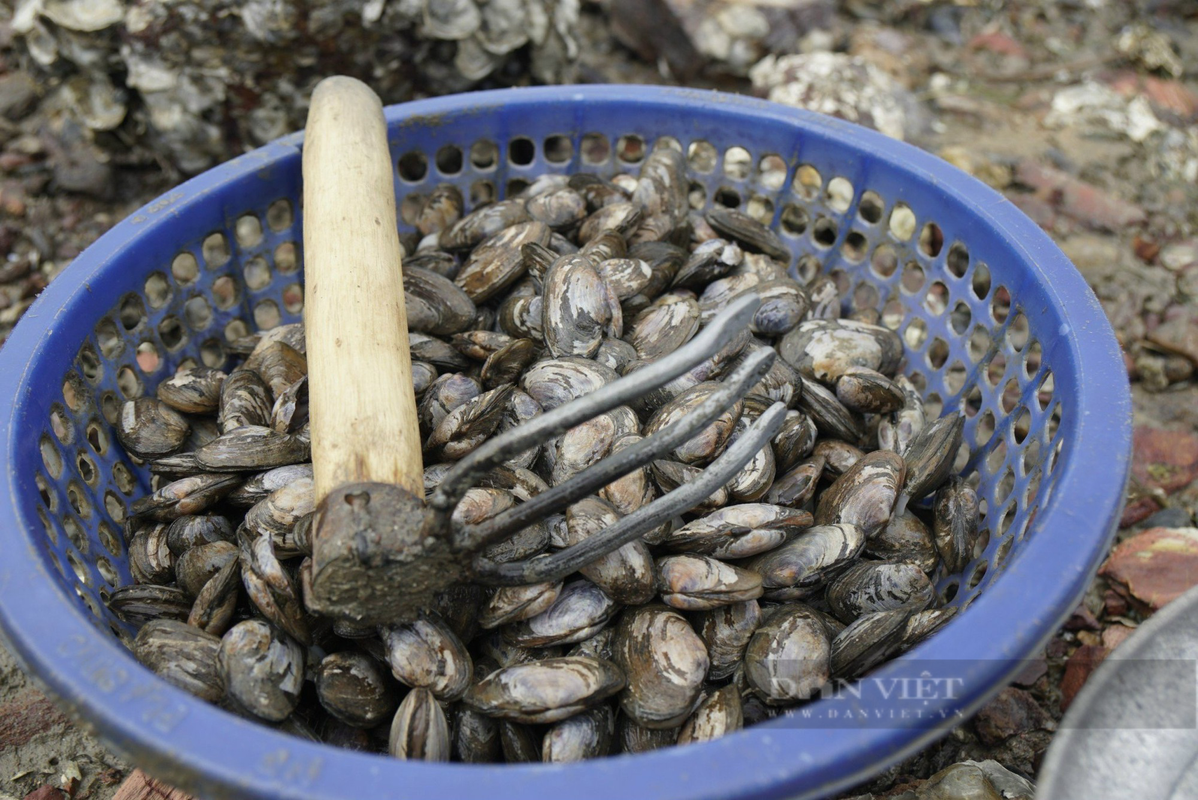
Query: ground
(1072, 109)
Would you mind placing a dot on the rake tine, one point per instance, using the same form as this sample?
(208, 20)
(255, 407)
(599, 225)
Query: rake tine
(562, 563)
(710, 340)
(625, 461)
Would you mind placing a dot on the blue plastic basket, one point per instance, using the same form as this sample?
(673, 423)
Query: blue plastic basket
(992, 314)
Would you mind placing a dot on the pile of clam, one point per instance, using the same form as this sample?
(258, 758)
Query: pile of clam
(815, 563)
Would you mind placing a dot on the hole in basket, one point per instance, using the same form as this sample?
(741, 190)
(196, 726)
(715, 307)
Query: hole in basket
(937, 353)
(1010, 396)
(936, 300)
(215, 250)
(515, 186)
(954, 377)
(286, 259)
(61, 425)
(75, 532)
(949, 592)
(132, 312)
(110, 341)
(794, 219)
(933, 405)
(109, 539)
(449, 159)
(293, 298)
(841, 279)
(107, 571)
(964, 453)
(236, 329)
(919, 382)
(884, 262)
(630, 149)
(278, 215)
(1029, 457)
(521, 151)
(110, 407)
(87, 469)
(148, 360)
(824, 232)
(1002, 553)
(1022, 425)
(185, 268)
(761, 208)
(995, 369)
(97, 439)
(1044, 392)
(80, 569)
(771, 172)
(1017, 331)
(248, 230)
(1056, 455)
(158, 290)
(51, 531)
(996, 457)
(807, 268)
(931, 240)
(89, 364)
(979, 573)
(595, 149)
(807, 182)
(49, 499)
(915, 334)
(129, 384)
(482, 193)
(170, 330)
(702, 156)
(413, 166)
(697, 195)
(225, 292)
(1005, 519)
(266, 315)
(77, 497)
(866, 296)
(871, 207)
(727, 196)
(957, 260)
(212, 353)
(893, 313)
(1033, 486)
(667, 143)
(123, 478)
(902, 221)
(981, 281)
(972, 402)
(484, 154)
(985, 428)
(198, 313)
(840, 194)
(257, 274)
(74, 392)
(1032, 358)
(558, 149)
(1000, 306)
(737, 163)
(913, 277)
(854, 247)
(979, 343)
(960, 318)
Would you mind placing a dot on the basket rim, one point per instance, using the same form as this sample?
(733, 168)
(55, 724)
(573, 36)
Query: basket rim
(79, 665)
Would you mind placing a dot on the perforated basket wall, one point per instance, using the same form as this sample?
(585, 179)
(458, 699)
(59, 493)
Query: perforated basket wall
(992, 316)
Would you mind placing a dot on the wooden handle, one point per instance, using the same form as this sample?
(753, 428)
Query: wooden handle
(361, 402)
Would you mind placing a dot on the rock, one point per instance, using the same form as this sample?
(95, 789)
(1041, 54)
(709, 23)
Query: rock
(1114, 604)
(1008, 784)
(1033, 670)
(843, 86)
(998, 176)
(1164, 459)
(1012, 712)
(1092, 105)
(1078, 199)
(46, 792)
(1179, 255)
(18, 95)
(1082, 619)
(1115, 635)
(1137, 510)
(1168, 518)
(1078, 669)
(964, 781)
(1155, 566)
(1094, 255)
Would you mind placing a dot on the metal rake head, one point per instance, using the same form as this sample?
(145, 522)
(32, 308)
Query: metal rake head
(402, 551)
